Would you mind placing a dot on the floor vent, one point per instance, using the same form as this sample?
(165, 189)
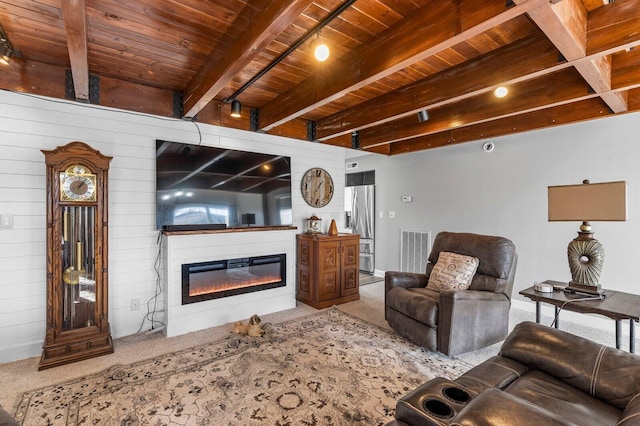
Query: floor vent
(414, 250)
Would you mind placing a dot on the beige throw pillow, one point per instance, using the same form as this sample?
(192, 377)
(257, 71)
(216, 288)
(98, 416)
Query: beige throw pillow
(452, 271)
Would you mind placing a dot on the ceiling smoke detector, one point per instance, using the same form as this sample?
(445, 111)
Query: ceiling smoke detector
(488, 147)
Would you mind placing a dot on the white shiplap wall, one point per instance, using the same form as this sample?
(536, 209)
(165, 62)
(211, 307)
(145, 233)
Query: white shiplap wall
(29, 124)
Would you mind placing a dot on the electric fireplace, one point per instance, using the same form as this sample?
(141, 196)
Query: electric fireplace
(223, 278)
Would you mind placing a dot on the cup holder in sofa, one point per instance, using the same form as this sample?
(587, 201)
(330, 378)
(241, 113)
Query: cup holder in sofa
(438, 408)
(458, 395)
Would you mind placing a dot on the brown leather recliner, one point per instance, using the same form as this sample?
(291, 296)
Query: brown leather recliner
(455, 322)
(542, 376)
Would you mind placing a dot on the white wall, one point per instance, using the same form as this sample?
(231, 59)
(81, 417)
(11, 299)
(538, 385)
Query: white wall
(29, 124)
(504, 192)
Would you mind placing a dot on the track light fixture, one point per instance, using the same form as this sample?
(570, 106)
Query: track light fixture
(6, 49)
(305, 38)
(6, 54)
(423, 116)
(236, 108)
(320, 49)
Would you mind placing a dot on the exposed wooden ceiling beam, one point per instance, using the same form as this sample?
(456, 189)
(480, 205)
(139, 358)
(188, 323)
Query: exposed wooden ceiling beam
(614, 27)
(447, 24)
(472, 78)
(587, 109)
(565, 24)
(75, 22)
(263, 28)
(626, 70)
(531, 95)
(434, 92)
(626, 77)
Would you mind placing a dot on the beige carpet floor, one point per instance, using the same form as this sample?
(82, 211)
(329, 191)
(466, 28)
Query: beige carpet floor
(20, 376)
(328, 368)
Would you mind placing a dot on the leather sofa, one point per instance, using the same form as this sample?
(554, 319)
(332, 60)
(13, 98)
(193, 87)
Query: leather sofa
(542, 376)
(6, 419)
(455, 322)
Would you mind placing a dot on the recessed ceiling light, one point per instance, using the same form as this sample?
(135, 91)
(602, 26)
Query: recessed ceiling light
(500, 92)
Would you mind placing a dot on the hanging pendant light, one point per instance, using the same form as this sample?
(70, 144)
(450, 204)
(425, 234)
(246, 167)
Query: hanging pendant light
(320, 49)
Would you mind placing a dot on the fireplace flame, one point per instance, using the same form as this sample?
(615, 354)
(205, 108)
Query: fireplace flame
(215, 287)
(224, 278)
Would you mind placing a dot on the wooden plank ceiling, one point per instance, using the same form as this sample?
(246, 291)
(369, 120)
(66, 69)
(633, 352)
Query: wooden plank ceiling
(562, 61)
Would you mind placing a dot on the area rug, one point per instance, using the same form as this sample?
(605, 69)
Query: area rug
(329, 368)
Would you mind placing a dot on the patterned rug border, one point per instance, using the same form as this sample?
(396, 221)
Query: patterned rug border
(117, 377)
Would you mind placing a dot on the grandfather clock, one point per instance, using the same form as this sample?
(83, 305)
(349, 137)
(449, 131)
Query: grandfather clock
(77, 264)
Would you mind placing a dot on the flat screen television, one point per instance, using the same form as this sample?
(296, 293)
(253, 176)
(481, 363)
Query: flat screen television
(204, 187)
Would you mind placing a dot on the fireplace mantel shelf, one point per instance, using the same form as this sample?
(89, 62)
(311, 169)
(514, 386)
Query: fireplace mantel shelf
(228, 230)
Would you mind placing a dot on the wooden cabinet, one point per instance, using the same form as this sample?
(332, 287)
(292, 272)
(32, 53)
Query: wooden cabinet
(327, 269)
(77, 256)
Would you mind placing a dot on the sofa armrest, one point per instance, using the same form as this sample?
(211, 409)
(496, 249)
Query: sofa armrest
(608, 374)
(496, 372)
(394, 279)
(454, 296)
(471, 319)
(494, 407)
(6, 419)
(397, 423)
(631, 414)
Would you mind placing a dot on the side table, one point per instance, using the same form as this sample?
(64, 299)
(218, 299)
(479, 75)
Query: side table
(616, 305)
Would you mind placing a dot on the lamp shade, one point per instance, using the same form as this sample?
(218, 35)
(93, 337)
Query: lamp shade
(588, 202)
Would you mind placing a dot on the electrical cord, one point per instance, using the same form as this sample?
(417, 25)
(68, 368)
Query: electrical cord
(584, 299)
(156, 267)
(150, 315)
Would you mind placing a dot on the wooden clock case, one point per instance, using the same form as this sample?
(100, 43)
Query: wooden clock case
(77, 325)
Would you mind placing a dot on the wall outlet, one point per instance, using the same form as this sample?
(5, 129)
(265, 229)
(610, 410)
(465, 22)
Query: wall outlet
(135, 304)
(392, 215)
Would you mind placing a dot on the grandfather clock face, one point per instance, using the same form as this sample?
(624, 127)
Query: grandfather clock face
(77, 183)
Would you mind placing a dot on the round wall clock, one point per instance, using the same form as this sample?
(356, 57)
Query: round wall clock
(317, 187)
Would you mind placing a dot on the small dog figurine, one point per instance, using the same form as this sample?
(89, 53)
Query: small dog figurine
(239, 328)
(253, 328)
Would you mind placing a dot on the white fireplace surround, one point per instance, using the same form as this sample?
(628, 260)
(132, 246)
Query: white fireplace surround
(191, 248)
